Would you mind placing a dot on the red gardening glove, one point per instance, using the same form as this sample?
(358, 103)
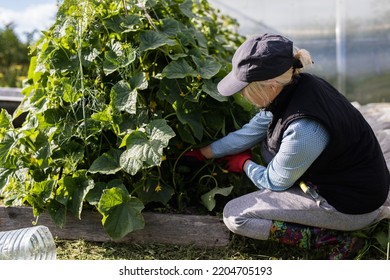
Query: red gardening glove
(190, 161)
(196, 154)
(235, 163)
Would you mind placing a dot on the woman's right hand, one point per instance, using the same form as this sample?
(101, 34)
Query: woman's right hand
(195, 154)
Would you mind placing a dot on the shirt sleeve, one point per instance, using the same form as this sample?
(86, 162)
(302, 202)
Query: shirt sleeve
(302, 142)
(245, 138)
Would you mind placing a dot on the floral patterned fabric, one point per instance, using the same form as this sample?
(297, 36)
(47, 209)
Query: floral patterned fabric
(343, 244)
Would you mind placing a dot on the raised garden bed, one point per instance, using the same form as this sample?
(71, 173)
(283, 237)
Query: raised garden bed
(198, 230)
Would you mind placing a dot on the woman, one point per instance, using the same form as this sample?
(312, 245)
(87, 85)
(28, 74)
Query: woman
(325, 176)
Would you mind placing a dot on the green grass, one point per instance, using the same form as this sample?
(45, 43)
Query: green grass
(239, 248)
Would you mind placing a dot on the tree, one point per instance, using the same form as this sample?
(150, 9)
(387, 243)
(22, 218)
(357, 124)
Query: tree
(14, 60)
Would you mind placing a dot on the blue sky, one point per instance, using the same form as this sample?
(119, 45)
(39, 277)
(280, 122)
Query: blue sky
(27, 15)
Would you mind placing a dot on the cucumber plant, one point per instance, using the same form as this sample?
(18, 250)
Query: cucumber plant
(117, 91)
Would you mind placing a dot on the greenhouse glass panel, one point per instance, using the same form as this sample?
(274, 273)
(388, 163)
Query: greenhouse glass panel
(349, 40)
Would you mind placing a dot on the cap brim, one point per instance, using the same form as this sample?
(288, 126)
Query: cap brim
(230, 85)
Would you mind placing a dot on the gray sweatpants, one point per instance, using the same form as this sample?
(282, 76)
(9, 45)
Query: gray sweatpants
(251, 215)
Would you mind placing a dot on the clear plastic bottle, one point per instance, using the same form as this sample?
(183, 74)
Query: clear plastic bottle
(32, 243)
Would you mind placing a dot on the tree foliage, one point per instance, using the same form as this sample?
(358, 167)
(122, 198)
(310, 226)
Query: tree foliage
(115, 95)
(14, 58)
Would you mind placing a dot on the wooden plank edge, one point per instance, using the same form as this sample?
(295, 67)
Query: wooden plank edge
(175, 229)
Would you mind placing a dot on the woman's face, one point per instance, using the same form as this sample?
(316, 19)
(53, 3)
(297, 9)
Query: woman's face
(262, 94)
(272, 92)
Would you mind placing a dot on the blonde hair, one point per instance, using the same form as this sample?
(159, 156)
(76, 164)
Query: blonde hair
(256, 93)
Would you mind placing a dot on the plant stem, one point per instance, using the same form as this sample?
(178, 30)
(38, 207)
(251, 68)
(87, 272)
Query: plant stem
(81, 73)
(174, 167)
(124, 7)
(209, 177)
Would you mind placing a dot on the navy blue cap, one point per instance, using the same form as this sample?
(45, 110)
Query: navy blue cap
(259, 58)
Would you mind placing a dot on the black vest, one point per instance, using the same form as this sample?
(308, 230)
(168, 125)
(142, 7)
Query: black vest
(351, 173)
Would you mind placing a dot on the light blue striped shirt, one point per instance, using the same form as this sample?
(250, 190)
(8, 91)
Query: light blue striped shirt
(302, 142)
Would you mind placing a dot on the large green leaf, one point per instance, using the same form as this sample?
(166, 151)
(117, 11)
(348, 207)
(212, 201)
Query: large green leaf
(186, 133)
(39, 195)
(191, 114)
(186, 8)
(89, 55)
(130, 24)
(171, 26)
(208, 199)
(121, 212)
(118, 56)
(138, 81)
(178, 69)
(4, 173)
(63, 60)
(6, 145)
(151, 40)
(94, 195)
(73, 190)
(169, 91)
(106, 119)
(70, 95)
(73, 153)
(152, 190)
(5, 121)
(111, 198)
(211, 89)
(131, 160)
(53, 116)
(58, 212)
(42, 148)
(109, 64)
(207, 67)
(159, 130)
(43, 189)
(124, 98)
(124, 218)
(107, 163)
(37, 101)
(145, 148)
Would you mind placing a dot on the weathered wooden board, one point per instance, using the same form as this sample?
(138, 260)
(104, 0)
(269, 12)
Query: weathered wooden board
(159, 228)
